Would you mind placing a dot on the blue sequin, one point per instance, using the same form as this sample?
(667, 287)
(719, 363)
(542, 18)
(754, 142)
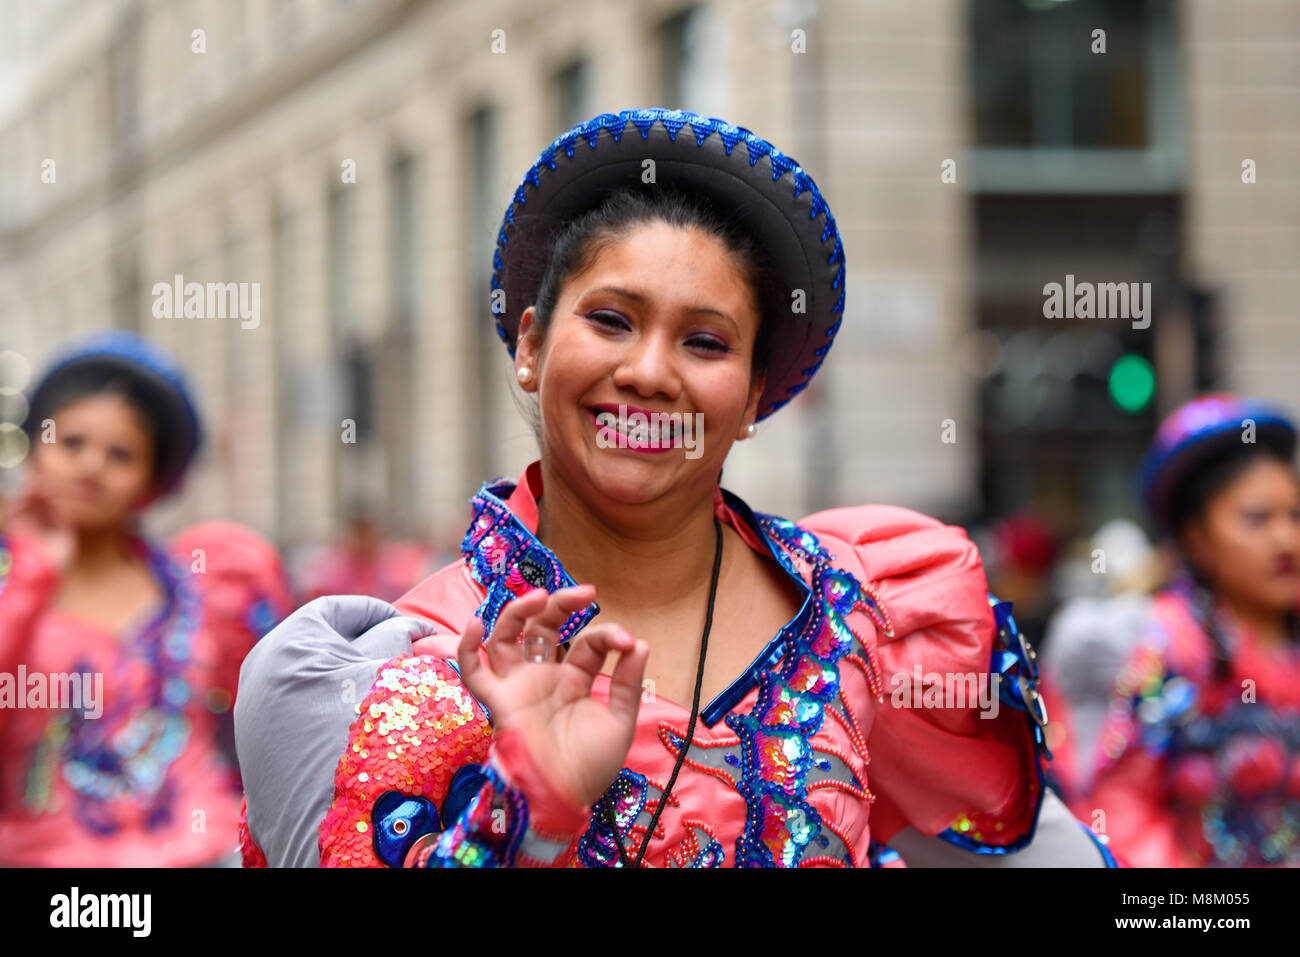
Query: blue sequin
(399, 821)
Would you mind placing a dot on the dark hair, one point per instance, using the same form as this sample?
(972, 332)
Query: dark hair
(83, 381)
(1188, 504)
(576, 244)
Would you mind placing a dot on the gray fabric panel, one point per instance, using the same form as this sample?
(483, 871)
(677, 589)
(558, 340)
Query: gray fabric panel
(298, 691)
(1059, 842)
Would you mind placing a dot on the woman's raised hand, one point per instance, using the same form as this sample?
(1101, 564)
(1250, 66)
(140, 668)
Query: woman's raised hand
(30, 512)
(578, 742)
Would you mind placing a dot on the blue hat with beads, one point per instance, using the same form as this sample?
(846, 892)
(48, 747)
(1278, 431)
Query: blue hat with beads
(744, 177)
(115, 353)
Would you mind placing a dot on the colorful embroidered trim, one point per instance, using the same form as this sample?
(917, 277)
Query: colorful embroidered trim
(127, 752)
(1014, 664)
(508, 560)
(486, 834)
(776, 751)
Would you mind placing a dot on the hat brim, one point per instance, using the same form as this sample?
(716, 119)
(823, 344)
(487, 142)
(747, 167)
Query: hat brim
(744, 178)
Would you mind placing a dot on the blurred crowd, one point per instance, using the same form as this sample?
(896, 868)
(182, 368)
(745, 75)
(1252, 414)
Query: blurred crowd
(119, 655)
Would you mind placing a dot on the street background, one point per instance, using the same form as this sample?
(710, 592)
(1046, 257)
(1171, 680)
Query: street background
(971, 152)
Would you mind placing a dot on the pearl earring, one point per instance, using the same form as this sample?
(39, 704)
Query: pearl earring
(751, 430)
(524, 375)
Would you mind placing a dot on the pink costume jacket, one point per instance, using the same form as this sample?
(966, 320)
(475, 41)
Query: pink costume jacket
(1194, 770)
(822, 751)
(143, 776)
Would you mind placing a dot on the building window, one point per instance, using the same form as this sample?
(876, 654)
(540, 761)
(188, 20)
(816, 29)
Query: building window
(398, 360)
(485, 212)
(288, 412)
(573, 94)
(405, 250)
(692, 57)
(1052, 112)
(348, 350)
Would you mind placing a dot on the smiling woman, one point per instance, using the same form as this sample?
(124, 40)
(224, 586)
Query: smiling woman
(724, 708)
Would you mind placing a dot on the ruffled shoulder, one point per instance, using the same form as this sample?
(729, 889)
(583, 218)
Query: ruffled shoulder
(957, 741)
(239, 573)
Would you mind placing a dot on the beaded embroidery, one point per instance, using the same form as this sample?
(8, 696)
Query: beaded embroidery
(1015, 666)
(627, 798)
(486, 834)
(508, 560)
(772, 749)
(776, 751)
(1235, 765)
(126, 753)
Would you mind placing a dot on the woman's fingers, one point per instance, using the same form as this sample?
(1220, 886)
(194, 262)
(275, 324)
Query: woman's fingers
(535, 614)
(545, 626)
(475, 671)
(593, 645)
(564, 602)
(503, 648)
(625, 683)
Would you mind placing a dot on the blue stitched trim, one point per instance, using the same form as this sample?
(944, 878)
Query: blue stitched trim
(508, 559)
(1013, 662)
(1106, 855)
(766, 659)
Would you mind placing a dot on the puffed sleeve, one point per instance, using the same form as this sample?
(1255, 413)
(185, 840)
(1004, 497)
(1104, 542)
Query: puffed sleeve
(244, 592)
(956, 742)
(28, 582)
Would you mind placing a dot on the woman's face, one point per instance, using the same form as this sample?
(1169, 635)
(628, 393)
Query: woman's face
(662, 321)
(1248, 540)
(99, 468)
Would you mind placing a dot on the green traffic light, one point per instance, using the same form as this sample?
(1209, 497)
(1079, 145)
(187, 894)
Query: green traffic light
(1132, 383)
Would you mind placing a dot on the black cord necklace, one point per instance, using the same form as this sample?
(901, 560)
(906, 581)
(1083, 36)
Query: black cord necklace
(608, 812)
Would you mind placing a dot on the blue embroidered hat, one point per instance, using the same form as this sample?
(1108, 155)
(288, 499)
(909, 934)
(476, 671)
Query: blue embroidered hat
(1199, 431)
(767, 192)
(117, 352)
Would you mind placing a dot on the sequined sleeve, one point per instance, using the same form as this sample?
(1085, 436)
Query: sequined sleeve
(425, 782)
(496, 828)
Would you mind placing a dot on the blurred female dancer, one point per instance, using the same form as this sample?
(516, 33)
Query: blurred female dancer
(1199, 761)
(663, 281)
(118, 659)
